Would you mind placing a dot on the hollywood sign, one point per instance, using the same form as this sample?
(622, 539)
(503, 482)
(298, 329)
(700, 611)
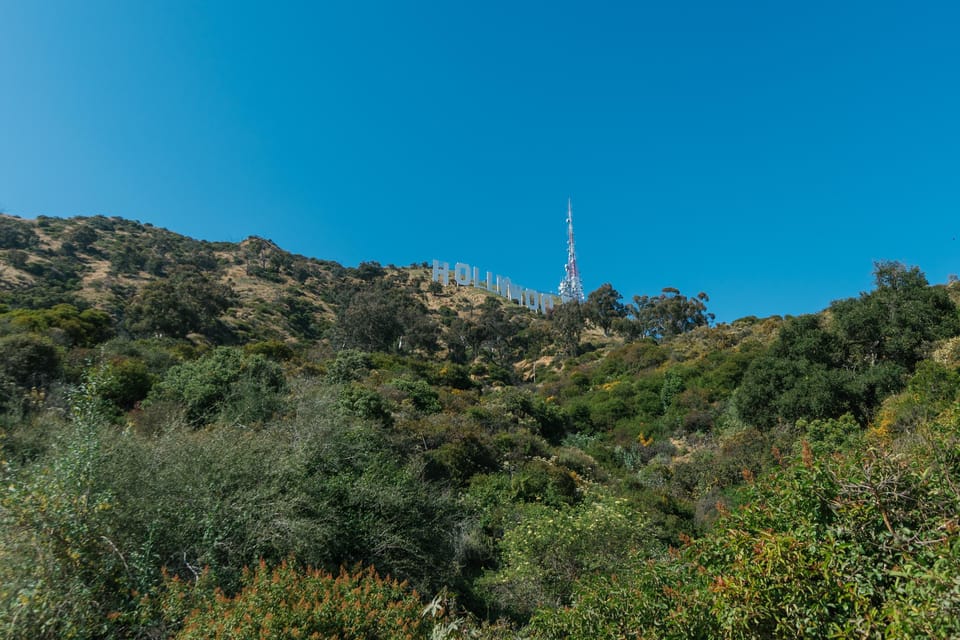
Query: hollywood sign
(466, 276)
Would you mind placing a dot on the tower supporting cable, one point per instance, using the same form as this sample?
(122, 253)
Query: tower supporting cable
(571, 288)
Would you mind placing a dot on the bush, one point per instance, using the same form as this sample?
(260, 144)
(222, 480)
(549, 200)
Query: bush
(420, 394)
(81, 328)
(350, 365)
(227, 384)
(61, 572)
(29, 360)
(546, 551)
(300, 603)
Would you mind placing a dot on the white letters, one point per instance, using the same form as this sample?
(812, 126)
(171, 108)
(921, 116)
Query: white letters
(464, 275)
(445, 270)
(461, 273)
(503, 286)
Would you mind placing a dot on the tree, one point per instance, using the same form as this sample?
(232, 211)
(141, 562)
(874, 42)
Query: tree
(568, 322)
(380, 317)
(604, 306)
(898, 319)
(28, 360)
(82, 237)
(182, 304)
(823, 369)
(669, 314)
(16, 233)
(801, 375)
(369, 271)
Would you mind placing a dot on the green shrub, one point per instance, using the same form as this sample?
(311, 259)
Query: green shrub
(61, 572)
(365, 403)
(82, 328)
(350, 365)
(226, 384)
(420, 394)
(127, 382)
(29, 360)
(546, 551)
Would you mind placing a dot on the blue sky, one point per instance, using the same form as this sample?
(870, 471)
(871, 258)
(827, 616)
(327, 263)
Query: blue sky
(764, 152)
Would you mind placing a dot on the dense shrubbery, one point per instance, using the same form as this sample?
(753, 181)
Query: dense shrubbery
(863, 545)
(818, 369)
(766, 478)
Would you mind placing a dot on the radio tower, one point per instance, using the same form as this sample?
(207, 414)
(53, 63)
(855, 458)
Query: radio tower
(570, 287)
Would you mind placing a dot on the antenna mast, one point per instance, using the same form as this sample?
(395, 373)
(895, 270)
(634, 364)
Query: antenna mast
(571, 288)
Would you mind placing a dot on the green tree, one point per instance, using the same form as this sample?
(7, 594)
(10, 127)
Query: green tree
(897, 320)
(667, 315)
(29, 360)
(823, 369)
(604, 306)
(568, 322)
(801, 376)
(82, 237)
(227, 384)
(381, 317)
(181, 304)
(16, 233)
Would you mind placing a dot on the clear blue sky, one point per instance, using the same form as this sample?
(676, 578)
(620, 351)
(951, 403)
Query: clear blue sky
(764, 152)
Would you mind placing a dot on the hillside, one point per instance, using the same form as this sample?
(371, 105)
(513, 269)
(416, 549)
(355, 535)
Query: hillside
(218, 292)
(197, 436)
(106, 262)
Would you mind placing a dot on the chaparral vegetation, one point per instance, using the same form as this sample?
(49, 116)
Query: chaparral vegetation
(217, 440)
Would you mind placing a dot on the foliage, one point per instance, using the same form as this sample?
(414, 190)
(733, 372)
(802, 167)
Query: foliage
(60, 569)
(419, 394)
(83, 530)
(643, 598)
(15, 233)
(272, 349)
(857, 546)
(522, 408)
(382, 318)
(80, 328)
(667, 315)
(568, 322)
(603, 307)
(932, 389)
(476, 450)
(894, 322)
(362, 402)
(227, 384)
(802, 375)
(300, 603)
(28, 360)
(349, 365)
(816, 370)
(126, 383)
(185, 303)
(546, 550)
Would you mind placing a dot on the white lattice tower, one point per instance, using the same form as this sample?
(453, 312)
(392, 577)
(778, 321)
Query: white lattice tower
(571, 288)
